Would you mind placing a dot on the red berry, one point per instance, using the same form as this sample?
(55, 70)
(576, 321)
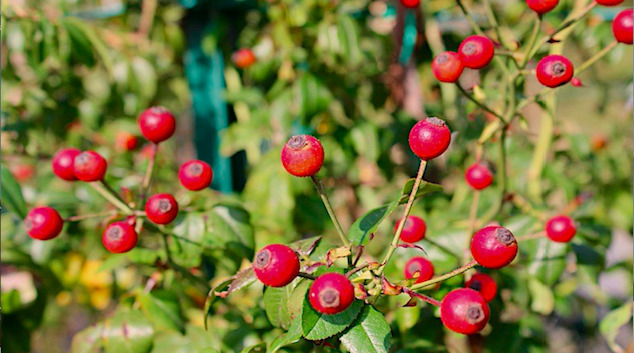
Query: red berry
(554, 71)
(410, 4)
(125, 141)
(476, 52)
(419, 266)
(276, 265)
(195, 175)
(414, 229)
(243, 58)
(119, 237)
(609, 2)
(542, 6)
(161, 208)
(622, 26)
(494, 247)
(576, 82)
(90, 166)
(479, 176)
(429, 138)
(464, 310)
(483, 284)
(63, 163)
(561, 229)
(22, 172)
(447, 67)
(331, 293)
(43, 223)
(157, 124)
(302, 155)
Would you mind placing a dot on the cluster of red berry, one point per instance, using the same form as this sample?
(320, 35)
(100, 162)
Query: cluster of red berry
(157, 124)
(476, 52)
(463, 310)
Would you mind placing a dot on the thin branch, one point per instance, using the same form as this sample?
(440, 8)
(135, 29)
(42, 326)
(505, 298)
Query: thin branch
(446, 276)
(324, 198)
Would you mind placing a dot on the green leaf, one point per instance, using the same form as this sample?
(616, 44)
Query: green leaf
(547, 259)
(611, 323)
(87, 340)
(208, 350)
(230, 227)
(277, 302)
(11, 193)
(305, 246)
(362, 229)
(423, 188)
(127, 332)
(293, 335)
(317, 326)
(212, 296)
(185, 247)
(370, 333)
(257, 348)
(162, 309)
(542, 298)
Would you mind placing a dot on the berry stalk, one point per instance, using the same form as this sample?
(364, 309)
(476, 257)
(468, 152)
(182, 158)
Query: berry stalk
(78, 218)
(479, 104)
(110, 197)
(145, 185)
(408, 208)
(531, 42)
(596, 57)
(324, 198)
(446, 276)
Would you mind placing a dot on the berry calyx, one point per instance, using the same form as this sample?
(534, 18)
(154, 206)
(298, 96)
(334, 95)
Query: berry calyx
(125, 141)
(195, 175)
(476, 52)
(63, 162)
(483, 284)
(554, 71)
(429, 138)
(419, 266)
(243, 58)
(479, 176)
(493, 247)
(302, 156)
(561, 229)
(119, 237)
(609, 2)
(276, 265)
(157, 124)
(622, 27)
(90, 166)
(542, 6)
(331, 293)
(161, 208)
(447, 67)
(464, 310)
(410, 4)
(43, 223)
(413, 230)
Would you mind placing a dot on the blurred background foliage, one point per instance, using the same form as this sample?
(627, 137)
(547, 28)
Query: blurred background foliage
(78, 73)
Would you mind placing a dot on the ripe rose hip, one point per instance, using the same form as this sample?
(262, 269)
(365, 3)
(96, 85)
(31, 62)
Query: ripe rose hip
(479, 176)
(22, 172)
(195, 175)
(157, 124)
(414, 229)
(493, 247)
(410, 4)
(302, 156)
(483, 284)
(90, 166)
(542, 6)
(476, 52)
(276, 265)
(43, 223)
(622, 26)
(554, 71)
(119, 237)
(421, 266)
(161, 208)
(464, 310)
(609, 2)
(447, 67)
(243, 58)
(63, 162)
(561, 229)
(331, 293)
(429, 138)
(125, 141)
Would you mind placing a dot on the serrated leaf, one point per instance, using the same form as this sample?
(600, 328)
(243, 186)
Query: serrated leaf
(370, 333)
(317, 326)
(127, 332)
(276, 303)
(11, 193)
(305, 246)
(230, 227)
(613, 321)
(366, 225)
(293, 335)
(162, 309)
(241, 280)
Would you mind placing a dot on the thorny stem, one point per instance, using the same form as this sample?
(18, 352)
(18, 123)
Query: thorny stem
(446, 276)
(89, 216)
(479, 104)
(408, 208)
(357, 269)
(324, 198)
(111, 197)
(425, 298)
